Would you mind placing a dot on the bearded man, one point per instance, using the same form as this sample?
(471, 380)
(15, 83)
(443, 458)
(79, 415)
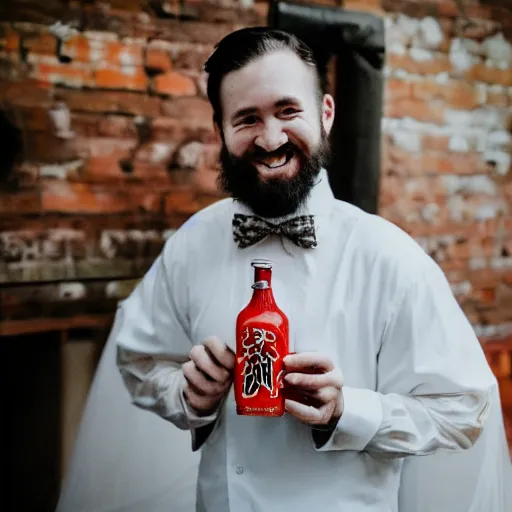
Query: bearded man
(399, 371)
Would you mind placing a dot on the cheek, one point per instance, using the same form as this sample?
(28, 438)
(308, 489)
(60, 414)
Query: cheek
(238, 142)
(306, 136)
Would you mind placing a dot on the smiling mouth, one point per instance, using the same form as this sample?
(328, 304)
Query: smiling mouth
(276, 161)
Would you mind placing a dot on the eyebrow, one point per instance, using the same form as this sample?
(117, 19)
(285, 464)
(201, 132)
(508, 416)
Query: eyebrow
(288, 100)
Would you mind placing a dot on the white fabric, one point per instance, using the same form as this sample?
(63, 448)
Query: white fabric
(477, 480)
(416, 379)
(107, 473)
(125, 459)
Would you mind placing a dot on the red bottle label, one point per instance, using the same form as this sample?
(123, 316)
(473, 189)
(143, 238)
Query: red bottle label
(262, 363)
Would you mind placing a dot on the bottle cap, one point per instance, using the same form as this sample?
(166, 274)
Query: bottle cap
(261, 264)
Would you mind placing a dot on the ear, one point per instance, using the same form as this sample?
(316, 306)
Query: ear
(327, 112)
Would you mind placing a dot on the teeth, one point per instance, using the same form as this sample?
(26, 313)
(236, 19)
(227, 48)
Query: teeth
(275, 162)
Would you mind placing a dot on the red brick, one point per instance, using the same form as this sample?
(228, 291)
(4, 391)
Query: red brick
(158, 59)
(182, 201)
(439, 64)
(191, 56)
(10, 41)
(112, 102)
(187, 201)
(205, 181)
(45, 147)
(116, 126)
(119, 54)
(21, 202)
(42, 44)
(192, 112)
(435, 142)
(77, 48)
(427, 112)
(107, 169)
(174, 84)
(398, 89)
(26, 93)
(103, 146)
(210, 157)
(82, 198)
(497, 99)
(456, 94)
(116, 78)
(481, 72)
(457, 163)
(52, 71)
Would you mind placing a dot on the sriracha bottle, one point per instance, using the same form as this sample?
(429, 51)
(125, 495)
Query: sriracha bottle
(262, 341)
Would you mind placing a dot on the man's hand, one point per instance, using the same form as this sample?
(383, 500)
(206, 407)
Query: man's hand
(313, 389)
(208, 375)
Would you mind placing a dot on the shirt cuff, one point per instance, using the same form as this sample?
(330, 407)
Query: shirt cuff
(360, 421)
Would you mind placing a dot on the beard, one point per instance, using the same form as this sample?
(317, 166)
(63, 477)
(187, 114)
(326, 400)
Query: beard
(272, 197)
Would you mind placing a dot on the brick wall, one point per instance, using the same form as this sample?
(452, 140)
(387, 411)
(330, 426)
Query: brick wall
(120, 148)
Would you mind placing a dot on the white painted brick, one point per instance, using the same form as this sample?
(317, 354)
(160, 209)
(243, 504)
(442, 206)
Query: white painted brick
(161, 152)
(408, 140)
(462, 288)
(60, 171)
(458, 118)
(488, 118)
(421, 55)
(442, 78)
(397, 48)
(430, 212)
(501, 160)
(497, 48)
(488, 211)
(477, 263)
(429, 34)
(477, 184)
(73, 291)
(460, 56)
(456, 208)
(458, 143)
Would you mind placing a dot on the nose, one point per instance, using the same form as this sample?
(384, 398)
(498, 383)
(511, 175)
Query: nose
(272, 136)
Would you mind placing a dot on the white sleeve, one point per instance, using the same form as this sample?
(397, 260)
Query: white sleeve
(433, 381)
(153, 339)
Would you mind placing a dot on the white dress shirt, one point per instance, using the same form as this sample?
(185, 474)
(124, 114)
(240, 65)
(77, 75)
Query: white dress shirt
(416, 379)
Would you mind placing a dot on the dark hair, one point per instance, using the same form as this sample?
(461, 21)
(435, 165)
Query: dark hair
(242, 47)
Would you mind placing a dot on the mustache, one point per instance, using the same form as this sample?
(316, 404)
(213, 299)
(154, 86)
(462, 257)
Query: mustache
(258, 152)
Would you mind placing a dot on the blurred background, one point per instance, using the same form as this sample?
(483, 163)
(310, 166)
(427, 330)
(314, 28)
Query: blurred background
(107, 146)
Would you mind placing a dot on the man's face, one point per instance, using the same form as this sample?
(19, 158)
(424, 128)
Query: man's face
(275, 133)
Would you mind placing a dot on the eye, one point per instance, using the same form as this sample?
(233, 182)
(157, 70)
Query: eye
(249, 120)
(290, 111)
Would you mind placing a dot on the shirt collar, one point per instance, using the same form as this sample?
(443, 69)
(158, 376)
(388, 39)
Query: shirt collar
(319, 201)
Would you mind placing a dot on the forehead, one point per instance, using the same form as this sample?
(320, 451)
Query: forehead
(264, 81)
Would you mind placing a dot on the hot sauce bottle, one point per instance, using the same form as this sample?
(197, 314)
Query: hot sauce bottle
(262, 341)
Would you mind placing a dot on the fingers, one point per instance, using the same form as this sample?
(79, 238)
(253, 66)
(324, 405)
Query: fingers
(199, 384)
(313, 361)
(310, 415)
(204, 362)
(202, 404)
(314, 382)
(220, 352)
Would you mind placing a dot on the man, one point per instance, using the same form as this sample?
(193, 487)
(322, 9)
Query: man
(398, 369)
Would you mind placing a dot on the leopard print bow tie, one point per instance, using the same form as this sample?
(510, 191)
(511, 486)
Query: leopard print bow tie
(249, 230)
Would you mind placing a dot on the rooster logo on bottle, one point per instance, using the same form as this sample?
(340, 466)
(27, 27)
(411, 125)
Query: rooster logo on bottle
(259, 355)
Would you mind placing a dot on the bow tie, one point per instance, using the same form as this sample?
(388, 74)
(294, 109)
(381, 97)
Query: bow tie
(249, 230)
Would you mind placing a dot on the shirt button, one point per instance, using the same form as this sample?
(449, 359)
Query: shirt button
(239, 470)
